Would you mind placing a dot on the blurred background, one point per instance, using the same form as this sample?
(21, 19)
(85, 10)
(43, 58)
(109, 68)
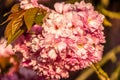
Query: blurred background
(111, 57)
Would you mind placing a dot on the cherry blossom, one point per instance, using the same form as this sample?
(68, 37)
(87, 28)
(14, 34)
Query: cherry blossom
(69, 39)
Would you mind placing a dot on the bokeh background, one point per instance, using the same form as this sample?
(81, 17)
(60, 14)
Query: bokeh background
(111, 57)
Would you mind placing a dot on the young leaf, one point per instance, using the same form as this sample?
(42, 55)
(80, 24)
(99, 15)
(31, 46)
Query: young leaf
(6, 14)
(8, 30)
(14, 24)
(11, 16)
(15, 8)
(11, 38)
(8, 19)
(29, 17)
(17, 23)
(39, 19)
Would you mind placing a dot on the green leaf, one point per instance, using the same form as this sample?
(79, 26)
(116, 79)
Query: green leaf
(8, 30)
(8, 19)
(12, 16)
(29, 17)
(6, 14)
(15, 8)
(39, 19)
(14, 24)
(17, 23)
(42, 14)
(11, 38)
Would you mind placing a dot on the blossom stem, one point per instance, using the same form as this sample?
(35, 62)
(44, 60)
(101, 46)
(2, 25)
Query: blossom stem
(100, 72)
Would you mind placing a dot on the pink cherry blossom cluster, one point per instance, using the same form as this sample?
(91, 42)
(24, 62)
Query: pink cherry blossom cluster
(26, 4)
(5, 50)
(70, 39)
(6, 58)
